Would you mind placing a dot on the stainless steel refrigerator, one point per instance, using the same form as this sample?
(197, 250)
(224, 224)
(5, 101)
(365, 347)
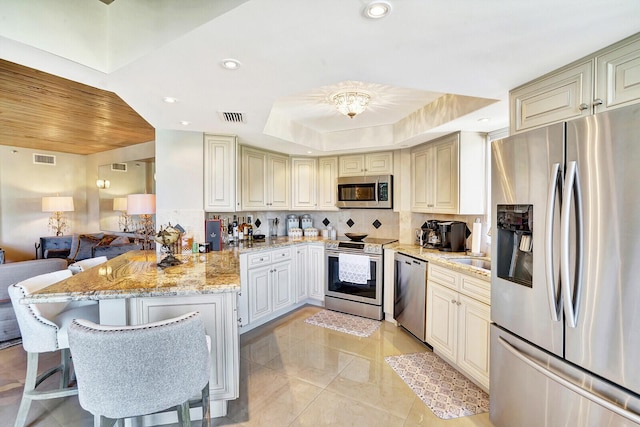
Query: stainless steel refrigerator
(565, 296)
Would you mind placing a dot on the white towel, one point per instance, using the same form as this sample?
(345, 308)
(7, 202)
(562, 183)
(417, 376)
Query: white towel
(354, 268)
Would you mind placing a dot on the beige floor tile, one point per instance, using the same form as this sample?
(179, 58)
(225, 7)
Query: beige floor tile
(262, 349)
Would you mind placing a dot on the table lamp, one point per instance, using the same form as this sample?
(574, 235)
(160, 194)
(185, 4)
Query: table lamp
(143, 205)
(57, 205)
(120, 205)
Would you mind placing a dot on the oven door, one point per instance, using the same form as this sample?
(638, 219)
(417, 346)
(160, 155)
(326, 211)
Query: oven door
(371, 293)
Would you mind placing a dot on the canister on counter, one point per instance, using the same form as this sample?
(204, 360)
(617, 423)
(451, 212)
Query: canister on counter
(213, 234)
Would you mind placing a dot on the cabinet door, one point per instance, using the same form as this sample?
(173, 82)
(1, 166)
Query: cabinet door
(302, 273)
(304, 183)
(327, 183)
(445, 158)
(219, 315)
(563, 95)
(618, 77)
(254, 184)
(282, 284)
(379, 163)
(278, 177)
(316, 272)
(473, 339)
(219, 173)
(260, 294)
(352, 165)
(442, 319)
(422, 181)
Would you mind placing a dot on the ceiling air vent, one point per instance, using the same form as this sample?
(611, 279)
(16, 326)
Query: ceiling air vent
(232, 117)
(119, 167)
(44, 159)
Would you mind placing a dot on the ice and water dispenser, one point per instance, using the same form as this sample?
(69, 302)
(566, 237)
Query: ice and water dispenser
(515, 243)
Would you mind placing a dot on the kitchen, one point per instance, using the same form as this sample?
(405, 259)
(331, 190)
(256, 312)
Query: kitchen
(174, 147)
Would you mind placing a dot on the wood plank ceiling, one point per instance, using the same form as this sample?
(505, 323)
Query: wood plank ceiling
(45, 112)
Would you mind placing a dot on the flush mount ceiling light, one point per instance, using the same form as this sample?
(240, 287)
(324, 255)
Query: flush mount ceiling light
(351, 103)
(185, 123)
(230, 64)
(377, 9)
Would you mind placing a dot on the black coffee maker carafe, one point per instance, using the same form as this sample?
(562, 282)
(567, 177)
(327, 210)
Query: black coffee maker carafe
(454, 236)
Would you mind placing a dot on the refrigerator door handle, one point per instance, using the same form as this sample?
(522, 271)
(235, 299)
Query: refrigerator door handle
(605, 403)
(571, 299)
(555, 298)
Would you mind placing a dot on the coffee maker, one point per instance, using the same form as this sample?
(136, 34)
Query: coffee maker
(433, 237)
(454, 236)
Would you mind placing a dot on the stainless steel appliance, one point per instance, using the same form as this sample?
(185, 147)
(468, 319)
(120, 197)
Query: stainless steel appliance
(453, 235)
(354, 298)
(365, 192)
(565, 295)
(410, 294)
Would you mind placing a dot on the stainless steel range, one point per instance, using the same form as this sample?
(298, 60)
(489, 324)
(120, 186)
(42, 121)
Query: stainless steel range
(359, 297)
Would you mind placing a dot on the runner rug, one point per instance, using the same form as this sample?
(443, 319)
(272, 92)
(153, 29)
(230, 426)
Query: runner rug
(354, 325)
(447, 392)
(10, 343)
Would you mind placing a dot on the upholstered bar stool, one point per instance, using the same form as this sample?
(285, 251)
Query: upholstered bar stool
(85, 264)
(44, 329)
(130, 371)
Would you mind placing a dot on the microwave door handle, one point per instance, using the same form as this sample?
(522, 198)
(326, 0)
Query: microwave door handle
(571, 299)
(555, 302)
(376, 191)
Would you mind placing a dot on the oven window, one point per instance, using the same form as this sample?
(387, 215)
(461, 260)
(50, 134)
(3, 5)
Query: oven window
(335, 285)
(357, 192)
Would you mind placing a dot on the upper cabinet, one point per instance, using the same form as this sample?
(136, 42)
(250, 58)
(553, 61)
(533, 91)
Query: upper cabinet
(304, 183)
(448, 175)
(265, 180)
(608, 79)
(327, 183)
(220, 173)
(367, 164)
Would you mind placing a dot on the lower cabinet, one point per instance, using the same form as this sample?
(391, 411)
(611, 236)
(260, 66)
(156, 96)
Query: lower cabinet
(316, 272)
(270, 286)
(458, 322)
(302, 273)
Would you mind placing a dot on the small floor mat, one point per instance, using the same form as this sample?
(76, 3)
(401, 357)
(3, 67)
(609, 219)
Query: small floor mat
(354, 325)
(10, 343)
(447, 392)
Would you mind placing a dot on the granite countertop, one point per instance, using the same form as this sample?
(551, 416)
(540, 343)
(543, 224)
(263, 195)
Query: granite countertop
(442, 258)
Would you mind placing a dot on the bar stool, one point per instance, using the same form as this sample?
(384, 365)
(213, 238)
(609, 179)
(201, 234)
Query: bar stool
(86, 264)
(131, 371)
(44, 328)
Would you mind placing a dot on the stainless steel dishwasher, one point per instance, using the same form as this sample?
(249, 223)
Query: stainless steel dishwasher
(410, 295)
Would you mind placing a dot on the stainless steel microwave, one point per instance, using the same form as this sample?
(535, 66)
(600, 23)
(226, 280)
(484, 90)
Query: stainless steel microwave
(374, 192)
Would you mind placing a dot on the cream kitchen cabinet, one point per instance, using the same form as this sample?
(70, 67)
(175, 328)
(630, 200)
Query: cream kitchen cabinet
(220, 173)
(304, 173)
(302, 272)
(270, 282)
(265, 180)
(366, 164)
(607, 79)
(327, 183)
(458, 320)
(316, 272)
(448, 175)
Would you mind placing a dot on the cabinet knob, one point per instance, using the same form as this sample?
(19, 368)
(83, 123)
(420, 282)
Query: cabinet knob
(583, 107)
(453, 301)
(459, 303)
(598, 101)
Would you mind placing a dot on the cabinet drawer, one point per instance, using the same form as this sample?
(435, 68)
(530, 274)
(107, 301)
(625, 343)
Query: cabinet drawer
(475, 288)
(259, 259)
(444, 276)
(281, 254)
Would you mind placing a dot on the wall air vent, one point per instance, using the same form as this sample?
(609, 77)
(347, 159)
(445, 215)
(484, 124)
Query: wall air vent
(232, 117)
(119, 167)
(44, 159)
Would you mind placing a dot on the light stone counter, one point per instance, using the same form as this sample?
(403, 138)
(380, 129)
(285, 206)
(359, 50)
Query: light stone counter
(442, 258)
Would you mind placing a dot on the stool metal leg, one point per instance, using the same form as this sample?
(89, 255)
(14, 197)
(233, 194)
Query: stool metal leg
(206, 407)
(184, 418)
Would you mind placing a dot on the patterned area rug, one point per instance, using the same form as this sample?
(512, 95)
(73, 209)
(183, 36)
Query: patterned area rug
(10, 343)
(447, 392)
(354, 325)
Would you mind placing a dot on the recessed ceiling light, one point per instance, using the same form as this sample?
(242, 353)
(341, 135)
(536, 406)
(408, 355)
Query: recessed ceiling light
(483, 120)
(185, 123)
(230, 64)
(309, 152)
(377, 9)
(169, 100)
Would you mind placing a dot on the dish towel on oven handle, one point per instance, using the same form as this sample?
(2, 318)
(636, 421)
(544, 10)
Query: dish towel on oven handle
(354, 269)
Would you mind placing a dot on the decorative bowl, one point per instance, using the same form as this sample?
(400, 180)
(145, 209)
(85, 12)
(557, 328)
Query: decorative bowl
(356, 237)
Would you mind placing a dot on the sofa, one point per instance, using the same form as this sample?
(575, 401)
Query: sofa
(82, 246)
(15, 272)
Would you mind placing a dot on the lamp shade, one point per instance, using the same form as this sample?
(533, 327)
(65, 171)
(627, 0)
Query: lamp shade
(141, 204)
(57, 204)
(120, 204)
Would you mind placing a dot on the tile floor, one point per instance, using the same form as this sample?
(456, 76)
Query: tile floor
(291, 374)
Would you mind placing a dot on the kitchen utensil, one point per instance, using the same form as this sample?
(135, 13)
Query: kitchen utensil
(356, 237)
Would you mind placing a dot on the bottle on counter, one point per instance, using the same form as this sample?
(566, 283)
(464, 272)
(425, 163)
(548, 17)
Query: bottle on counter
(248, 230)
(235, 229)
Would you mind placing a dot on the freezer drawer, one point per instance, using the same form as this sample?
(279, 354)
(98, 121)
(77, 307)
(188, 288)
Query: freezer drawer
(527, 390)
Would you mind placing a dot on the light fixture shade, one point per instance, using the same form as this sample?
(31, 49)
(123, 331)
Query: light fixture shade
(351, 103)
(57, 204)
(120, 204)
(141, 204)
(103, 183)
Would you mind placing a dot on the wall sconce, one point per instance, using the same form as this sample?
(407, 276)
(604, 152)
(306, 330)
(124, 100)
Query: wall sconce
(120, 205)
(103, 183)
(143, 205)
(57, 205)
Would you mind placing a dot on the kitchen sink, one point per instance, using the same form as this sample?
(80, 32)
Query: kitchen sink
(474, 262)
